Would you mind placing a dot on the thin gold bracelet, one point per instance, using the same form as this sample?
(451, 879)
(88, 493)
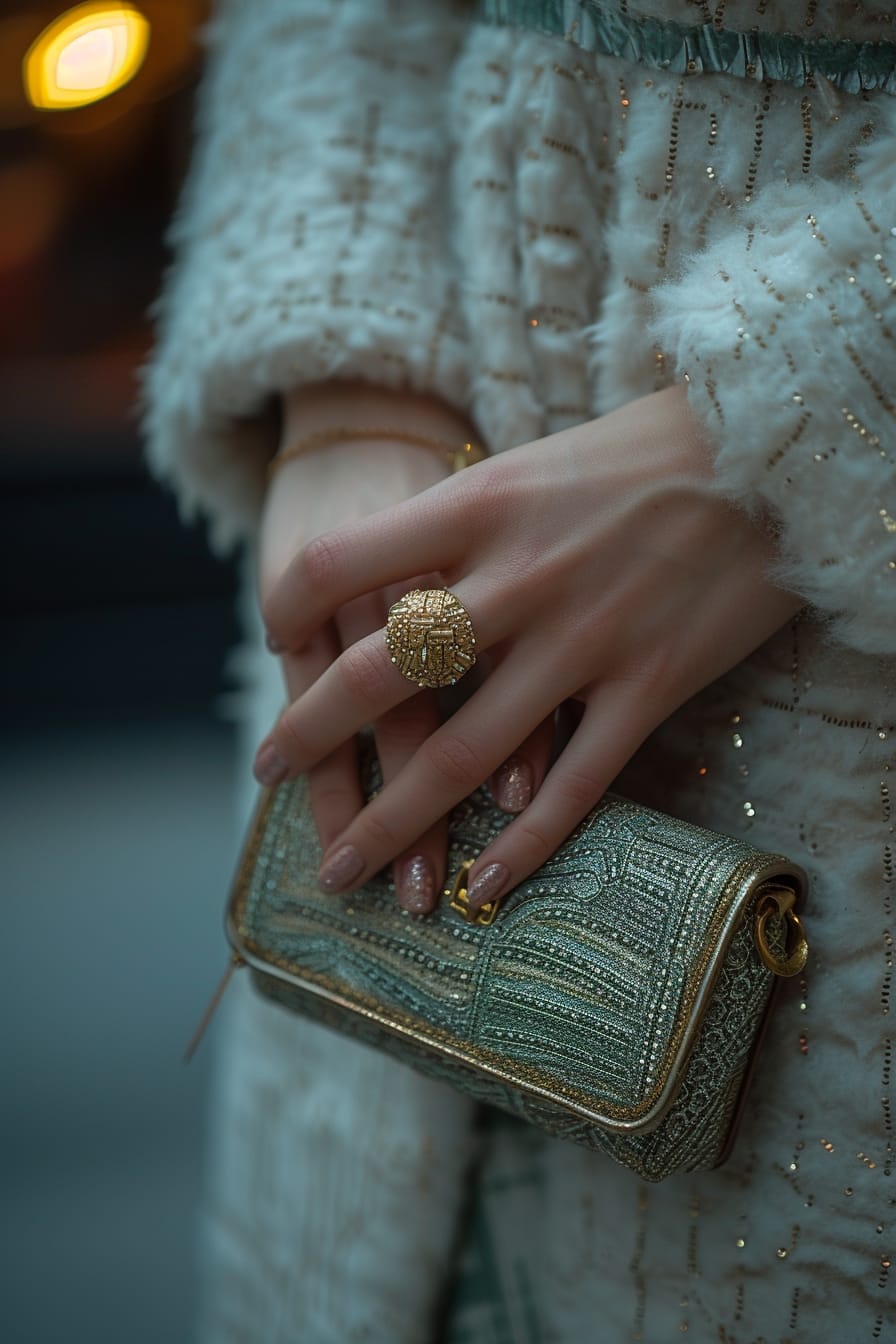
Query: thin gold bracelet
(456, 457)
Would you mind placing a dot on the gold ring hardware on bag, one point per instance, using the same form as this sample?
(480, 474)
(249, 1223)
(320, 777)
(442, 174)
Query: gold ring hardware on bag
(777, 903)
(457, 899)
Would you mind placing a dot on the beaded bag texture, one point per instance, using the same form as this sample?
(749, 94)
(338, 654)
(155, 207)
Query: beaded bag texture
(616, 997)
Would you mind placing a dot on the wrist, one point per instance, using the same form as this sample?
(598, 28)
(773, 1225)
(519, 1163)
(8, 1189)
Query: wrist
(358, 405)
(456, 455)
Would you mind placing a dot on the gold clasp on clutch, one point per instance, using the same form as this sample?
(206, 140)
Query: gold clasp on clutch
(777, 903)
(457, 899)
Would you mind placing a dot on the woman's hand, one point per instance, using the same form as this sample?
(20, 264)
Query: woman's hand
(598, 565)
(323, 489)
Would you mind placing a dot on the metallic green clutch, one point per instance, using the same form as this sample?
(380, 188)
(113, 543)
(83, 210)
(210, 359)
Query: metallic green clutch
(616, 997)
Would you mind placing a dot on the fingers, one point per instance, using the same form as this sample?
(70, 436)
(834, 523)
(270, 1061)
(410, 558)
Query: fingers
(359, 687)
(612, 729)
(426, 532)
(449, 766)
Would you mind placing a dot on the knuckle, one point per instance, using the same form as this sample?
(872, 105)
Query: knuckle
(363, 673)
(656, 670)
(487, 490)
(454, 761)
(580, 788)
(377, 836)
(290, 741)
(322, 560)
(534, 840)
(478, 486)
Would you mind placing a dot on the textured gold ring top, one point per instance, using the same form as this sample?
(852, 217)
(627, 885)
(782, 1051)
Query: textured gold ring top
(430, 637)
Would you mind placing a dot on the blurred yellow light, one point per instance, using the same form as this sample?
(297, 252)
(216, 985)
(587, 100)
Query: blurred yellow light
(84, 55)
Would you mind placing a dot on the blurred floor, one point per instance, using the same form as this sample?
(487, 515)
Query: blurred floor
(118, 850)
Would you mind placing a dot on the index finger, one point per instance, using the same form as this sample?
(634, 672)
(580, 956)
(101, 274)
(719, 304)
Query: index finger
(421, 534)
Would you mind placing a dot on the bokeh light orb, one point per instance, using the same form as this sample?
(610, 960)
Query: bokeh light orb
(84, 55)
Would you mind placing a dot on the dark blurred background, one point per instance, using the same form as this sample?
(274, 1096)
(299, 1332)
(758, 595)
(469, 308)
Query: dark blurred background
(119, 759)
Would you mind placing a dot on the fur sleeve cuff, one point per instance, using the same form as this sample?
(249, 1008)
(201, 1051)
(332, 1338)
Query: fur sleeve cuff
(786, 329)
(312, 241)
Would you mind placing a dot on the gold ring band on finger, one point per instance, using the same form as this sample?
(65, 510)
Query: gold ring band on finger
(430, 637)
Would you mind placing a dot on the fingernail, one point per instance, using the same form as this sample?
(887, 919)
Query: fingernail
(340, 869)
(270, 767)
(273, 645)
(488, 884)
(513, 785)
(417, 888)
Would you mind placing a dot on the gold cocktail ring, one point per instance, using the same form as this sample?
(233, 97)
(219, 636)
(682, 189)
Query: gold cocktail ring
(430, 637)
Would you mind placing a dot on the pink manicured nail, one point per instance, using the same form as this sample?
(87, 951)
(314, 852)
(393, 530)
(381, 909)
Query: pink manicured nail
(340, 870)
(513, 785)
(417, 887)
(488, 884)
(270, 767)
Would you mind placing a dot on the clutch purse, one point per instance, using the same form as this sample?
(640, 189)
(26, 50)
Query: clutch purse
(616, 997)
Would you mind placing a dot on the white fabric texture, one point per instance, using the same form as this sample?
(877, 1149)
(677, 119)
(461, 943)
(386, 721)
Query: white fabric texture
(798, 297)
(585, 231)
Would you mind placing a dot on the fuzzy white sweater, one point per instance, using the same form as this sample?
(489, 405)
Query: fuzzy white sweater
(540, 234)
